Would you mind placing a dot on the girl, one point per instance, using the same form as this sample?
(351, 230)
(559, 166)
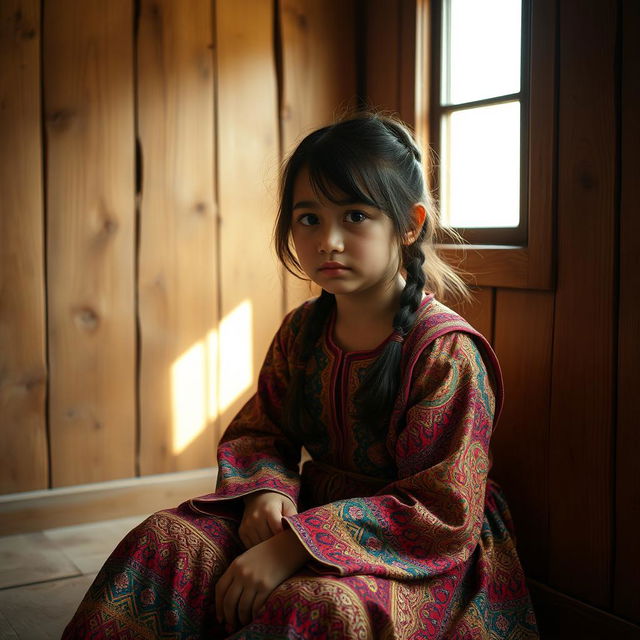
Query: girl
(392, 528)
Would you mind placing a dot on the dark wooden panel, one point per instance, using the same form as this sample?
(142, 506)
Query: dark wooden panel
(178, 284)
(563, 618)
(627, 561)
(523, 341)
(89, 103)
(390, 57)
(478, 311)
(583, 354)
(23, 456)
(542, 100)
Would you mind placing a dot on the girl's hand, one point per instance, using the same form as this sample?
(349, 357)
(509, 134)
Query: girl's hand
(249, 580)
(262, 517)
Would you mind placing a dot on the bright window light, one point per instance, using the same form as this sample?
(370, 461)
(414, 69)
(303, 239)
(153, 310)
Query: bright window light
(481, 55)
(480, 179)
(480, 114)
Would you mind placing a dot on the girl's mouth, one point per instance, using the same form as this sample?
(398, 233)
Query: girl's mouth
(333, 268)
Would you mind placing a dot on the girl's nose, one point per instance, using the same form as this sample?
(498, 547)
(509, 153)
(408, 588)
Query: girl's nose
(331, 240)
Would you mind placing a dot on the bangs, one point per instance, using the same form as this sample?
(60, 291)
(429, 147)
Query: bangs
(342, 176)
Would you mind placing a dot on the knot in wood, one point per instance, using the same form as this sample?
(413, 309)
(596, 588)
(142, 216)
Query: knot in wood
(60, 119)
(201, 208)
(87, 319)
(586, 180)
(110, 225)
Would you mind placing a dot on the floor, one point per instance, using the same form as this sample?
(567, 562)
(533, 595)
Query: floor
(44, 575)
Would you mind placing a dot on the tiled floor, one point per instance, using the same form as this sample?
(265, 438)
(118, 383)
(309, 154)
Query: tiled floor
(44, 575)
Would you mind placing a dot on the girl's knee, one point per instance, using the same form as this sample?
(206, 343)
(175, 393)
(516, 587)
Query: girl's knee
(317, 607)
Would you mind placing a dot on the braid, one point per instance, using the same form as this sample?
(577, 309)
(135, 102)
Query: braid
(404, 138)
(412, 292)
(380, 385)
(313, 328)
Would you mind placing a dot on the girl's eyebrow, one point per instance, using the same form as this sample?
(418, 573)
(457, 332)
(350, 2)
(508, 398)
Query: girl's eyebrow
(306, 204)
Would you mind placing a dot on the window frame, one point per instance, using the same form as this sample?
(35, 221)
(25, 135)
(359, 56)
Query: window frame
(530, 265)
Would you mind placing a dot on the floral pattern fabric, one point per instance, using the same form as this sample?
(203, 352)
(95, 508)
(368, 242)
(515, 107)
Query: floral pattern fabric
(409, 538)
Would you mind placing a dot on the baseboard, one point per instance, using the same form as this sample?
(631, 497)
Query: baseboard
(561, 617)
(37, 510)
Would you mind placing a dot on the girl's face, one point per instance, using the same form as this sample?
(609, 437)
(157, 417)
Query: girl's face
(344, 248)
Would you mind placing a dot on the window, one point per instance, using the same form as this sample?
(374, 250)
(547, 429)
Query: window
(516, 254)
(479, 107)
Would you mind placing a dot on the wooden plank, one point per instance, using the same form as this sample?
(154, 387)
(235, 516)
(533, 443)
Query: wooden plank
(542, 134)
(580, 462)
(32, 557)
(422, 84)
(38, 510)
(561, 617)
(478, 311)
(523, 342)
(318, 64)
(318, 82)
(23, 369)
(408, 64)
(178, 282)
(390, 63)
(382, 55)
(42, 611)
(490, 266)
(247, 124)
(627, 563)
(88, 97)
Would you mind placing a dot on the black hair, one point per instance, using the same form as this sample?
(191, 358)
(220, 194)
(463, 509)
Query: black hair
(372, 159)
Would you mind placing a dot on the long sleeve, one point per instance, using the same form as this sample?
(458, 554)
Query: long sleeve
(254, 453)
(429, 519)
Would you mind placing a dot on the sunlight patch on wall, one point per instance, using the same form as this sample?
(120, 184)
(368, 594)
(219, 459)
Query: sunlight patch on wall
(199, 395)
(212, 369)
(236, 354)
(189, 376)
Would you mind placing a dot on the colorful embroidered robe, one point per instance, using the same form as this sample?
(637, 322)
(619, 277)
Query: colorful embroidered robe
(409, 538)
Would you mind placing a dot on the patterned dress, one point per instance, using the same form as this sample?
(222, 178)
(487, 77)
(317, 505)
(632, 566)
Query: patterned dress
(409, 538)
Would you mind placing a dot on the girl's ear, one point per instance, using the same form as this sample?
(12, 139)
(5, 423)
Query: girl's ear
(418, 216)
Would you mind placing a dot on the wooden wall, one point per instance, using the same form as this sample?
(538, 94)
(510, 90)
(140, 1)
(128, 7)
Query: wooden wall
(141, 142)
(566, 448)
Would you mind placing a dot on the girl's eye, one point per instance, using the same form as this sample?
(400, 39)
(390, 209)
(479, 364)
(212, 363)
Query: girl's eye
(355, 216)
(308, 219)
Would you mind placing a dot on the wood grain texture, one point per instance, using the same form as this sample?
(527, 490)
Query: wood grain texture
(478, 311)
(583, 353)
(178, 279)
(523, 343)
(42, 611)
(542, 135)
(23, 368)
(247, 125)
(390, 62)
(627, 562)
(318, 64)
(490, 266)
(88, 71)
(318, 83)
(37, 510)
